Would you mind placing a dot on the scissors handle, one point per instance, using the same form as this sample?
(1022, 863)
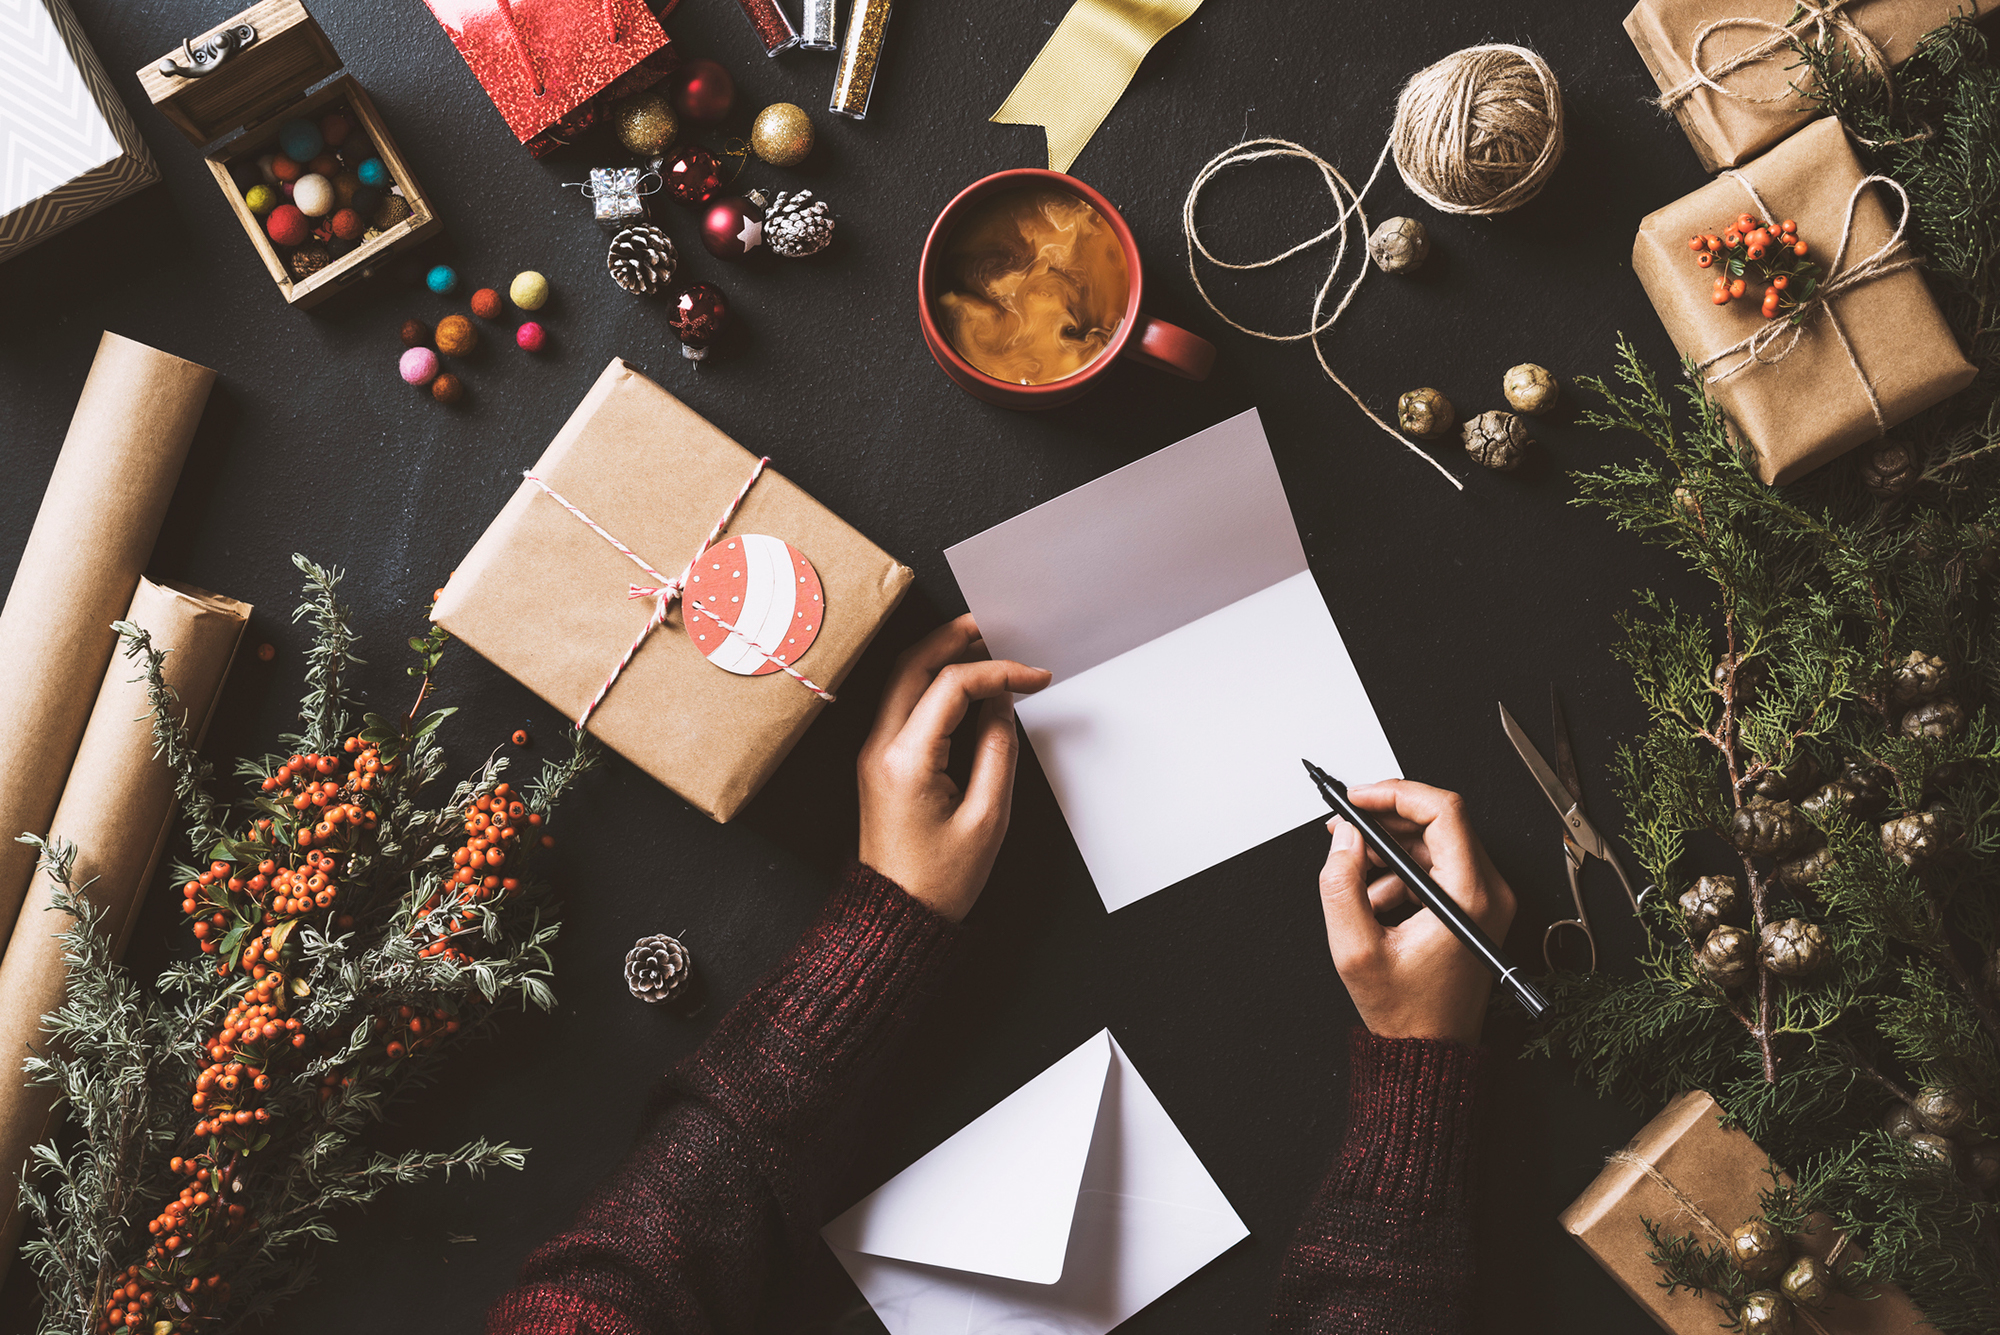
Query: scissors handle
(1549, 938)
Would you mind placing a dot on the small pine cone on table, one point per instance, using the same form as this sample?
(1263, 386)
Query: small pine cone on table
(643, 260)
(796, 228)
(658, 968)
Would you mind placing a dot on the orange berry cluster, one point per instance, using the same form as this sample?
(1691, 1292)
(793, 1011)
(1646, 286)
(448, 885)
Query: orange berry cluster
(495, 825)
(329, 810)
(1774, 248)
(407, 1030)
(254, 1033)
(167, 1291)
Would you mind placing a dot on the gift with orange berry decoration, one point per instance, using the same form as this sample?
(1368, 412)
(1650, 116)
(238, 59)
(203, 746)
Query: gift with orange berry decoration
(1794, 287)
(693, 609)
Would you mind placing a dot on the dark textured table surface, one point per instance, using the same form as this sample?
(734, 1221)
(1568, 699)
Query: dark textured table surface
(1219, 988)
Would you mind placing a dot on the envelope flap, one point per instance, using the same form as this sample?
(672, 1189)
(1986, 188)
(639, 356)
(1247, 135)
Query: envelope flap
(999, 1197)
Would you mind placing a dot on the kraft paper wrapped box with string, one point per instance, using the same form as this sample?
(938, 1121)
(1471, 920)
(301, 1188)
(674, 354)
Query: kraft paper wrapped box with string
(1731, 73)
(695, 609)
(1867, 351)
(1686, 1172)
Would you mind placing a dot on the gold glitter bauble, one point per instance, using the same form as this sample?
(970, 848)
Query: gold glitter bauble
(782, 134)
(645, 124)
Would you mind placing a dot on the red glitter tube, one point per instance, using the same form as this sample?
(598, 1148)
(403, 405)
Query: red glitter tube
(773, 28)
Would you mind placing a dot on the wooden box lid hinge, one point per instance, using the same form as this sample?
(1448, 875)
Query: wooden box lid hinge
(242, 71)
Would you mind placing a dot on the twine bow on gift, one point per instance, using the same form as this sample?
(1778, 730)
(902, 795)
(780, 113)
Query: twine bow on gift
(1824, 15)
(666, 590)
(1892, 256)
(1719, 1233)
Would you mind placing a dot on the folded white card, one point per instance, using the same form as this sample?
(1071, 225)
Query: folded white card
(1195, 662)
(1066, 1207)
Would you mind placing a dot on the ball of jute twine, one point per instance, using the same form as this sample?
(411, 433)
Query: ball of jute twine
(1481, 131)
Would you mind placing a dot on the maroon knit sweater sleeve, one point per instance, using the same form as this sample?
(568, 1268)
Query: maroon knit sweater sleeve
(694, 1232)
(1386, 1246)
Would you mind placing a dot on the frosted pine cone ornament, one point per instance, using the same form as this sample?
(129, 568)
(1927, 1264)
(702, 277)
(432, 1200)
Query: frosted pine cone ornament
(658, 968)
(797, 225)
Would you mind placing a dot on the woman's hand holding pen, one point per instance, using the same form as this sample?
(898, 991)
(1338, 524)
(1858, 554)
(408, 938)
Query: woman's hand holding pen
(1412, 980)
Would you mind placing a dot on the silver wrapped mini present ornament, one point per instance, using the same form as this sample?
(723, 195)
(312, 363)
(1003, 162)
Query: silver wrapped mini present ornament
(618, 195)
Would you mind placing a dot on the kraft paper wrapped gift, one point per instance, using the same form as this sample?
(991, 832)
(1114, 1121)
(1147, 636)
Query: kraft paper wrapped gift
(1794, 405)
(1746, 50)
(548, 599)
(68, 147)
(1688, 1173)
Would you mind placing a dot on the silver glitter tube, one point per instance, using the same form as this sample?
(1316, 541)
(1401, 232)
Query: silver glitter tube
(816, 25)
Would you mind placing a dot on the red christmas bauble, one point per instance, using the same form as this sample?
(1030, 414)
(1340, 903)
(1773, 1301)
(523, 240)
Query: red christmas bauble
(704, 92)
(689, 175)
(732, 228)
(699, 314)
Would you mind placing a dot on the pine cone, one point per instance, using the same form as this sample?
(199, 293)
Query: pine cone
(1496, 440)
(1769, 829)
(1891, 468)
(795, 229)
(1728, 958)
(1793, 948)
(1759, 1250)
(643, 260)
(1808, 868)
(1947, 1110)
(1709, 902)
(1919, 677)
(1807, 1282)
(658, 968)
(308, 260)
(1917, 840)
(1765, 1312)
(1940, 720)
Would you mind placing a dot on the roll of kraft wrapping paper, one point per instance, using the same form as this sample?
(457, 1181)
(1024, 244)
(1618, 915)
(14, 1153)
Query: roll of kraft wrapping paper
(90, 543)
(117, 808)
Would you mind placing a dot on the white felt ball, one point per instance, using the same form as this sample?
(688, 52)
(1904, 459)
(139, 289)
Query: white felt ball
(314, 195)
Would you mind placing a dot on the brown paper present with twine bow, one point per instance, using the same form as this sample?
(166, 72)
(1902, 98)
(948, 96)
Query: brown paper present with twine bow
(576, 591)
(1730, 70)
(1870, 350)
(1688, 1173)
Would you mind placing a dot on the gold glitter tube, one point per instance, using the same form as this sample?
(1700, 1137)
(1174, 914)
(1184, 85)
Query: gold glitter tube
(860, 57)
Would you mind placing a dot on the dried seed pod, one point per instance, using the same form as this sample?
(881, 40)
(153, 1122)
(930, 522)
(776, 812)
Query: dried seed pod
(1945, 1109)
(1496, 440)
(1980, 1164)
(1710, 902)
(1425, 413)
(1770, 830)
(1899, 1119)
(1728, 958)
(1808, 1282)
(1891, 468)
(1942, 720)
(1399, 245)
(1919, 677)
(1759, 1250)
(1793, 948)
(1918, 839)
(1931, 1150)
(1808, 868)
(1765, 1312)
(1530, 389)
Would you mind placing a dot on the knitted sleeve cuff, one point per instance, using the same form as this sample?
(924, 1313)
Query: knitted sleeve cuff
(794, 1045)
(1413, 1111)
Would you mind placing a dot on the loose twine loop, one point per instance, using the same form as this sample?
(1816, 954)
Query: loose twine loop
(1824, 16)
(1480, 132)
(1717, 1232)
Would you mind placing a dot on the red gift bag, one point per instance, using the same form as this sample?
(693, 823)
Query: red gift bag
(545, 63)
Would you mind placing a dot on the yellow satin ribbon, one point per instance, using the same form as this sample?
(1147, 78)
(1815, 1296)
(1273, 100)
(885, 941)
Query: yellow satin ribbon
(1085, 68)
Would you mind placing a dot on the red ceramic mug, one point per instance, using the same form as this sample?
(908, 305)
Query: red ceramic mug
(1140, 337)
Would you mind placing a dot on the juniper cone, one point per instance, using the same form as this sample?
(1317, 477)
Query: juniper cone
(643, 260)
(1496, 440)
(1917, 840)
(1789, 780)
(1891, 468)
(1766, 1313)
(1899, 1119)
(1808, 868)
(1709, 902)
(1759, 1250)
(1930, 1150)
(658, 968)
(1942, 719)
(1807, 1283)
(795, 228)
(1793, 948)
(1399, 245)
(1749, 676)
(1770, 829)
(1921, 676)
(1728, 958)
(1946, 1110)
(1981, 1165)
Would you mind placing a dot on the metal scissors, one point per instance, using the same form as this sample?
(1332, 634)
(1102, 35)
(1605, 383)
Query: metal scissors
(1580, 837)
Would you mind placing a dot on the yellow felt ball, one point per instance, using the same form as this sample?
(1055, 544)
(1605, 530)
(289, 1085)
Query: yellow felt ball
(782, 134)
(262, 199)
(529, 291)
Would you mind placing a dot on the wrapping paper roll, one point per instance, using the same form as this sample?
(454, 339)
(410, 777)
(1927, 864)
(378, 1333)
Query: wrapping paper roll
(117, 808)
(90, 544)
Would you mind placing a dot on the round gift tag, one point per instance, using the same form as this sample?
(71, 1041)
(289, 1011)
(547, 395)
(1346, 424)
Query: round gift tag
(767, 591)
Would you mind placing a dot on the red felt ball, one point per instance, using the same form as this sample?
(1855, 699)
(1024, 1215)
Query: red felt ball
(486, 304)
(732, 228)
(690, 175)
(704, 92)
(699, 314)
(285, 169)
(287, 226)
(334, 127)
(347, 225)
(326, 164)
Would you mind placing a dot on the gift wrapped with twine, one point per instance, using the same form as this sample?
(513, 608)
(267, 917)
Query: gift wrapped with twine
(1864, 354)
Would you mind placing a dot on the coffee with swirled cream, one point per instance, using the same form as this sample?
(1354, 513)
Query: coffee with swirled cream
(1034, 285)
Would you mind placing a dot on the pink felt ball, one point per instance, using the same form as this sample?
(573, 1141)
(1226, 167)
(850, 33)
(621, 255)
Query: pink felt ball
(419, 366)
(531, 337)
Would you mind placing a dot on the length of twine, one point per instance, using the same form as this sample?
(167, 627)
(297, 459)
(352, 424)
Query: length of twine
(1349, 200)
(667, 590)
(1812, 14)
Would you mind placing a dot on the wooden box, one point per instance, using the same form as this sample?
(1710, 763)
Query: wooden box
(235, 109)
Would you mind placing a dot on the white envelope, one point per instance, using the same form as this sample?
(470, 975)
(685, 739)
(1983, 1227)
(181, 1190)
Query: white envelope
(1195, 662)
(1062, 1210)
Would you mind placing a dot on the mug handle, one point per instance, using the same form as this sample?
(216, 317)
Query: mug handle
(1170, 348)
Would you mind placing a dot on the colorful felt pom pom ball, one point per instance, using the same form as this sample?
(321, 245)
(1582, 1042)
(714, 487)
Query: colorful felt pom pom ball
(300, 139)
(441, 279)
(455, 336)
(314, 195)
(373, 172)
(261, 199)
(486, 304)
(287, 226)
(419, 366)
(529, 291)
(531, 337)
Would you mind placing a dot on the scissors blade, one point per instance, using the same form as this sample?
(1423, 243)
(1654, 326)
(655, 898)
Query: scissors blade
(1565, 756)
(1578, 825)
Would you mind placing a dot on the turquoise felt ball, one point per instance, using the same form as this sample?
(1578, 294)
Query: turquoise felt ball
(372, 172)
(442, 279)
(301, 140)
